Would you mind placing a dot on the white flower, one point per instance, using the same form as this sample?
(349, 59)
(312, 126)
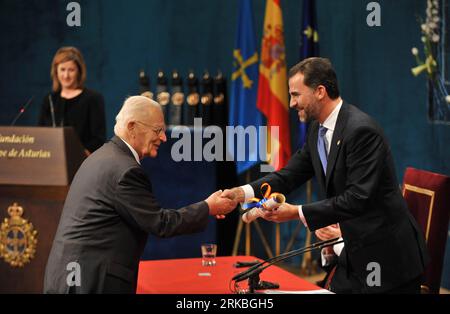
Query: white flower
(435, 38)
(447, 99)
(432, 25)
(436, 19)
(423, 39)
(424, 27)
(415, 51)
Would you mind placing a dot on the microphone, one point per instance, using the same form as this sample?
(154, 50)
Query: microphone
(63, 111)
(258, 268)
(52, 110)
(22, 110)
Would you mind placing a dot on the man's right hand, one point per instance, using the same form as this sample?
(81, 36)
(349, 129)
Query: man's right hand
(236, 194)
(220, 206)
(328, 233)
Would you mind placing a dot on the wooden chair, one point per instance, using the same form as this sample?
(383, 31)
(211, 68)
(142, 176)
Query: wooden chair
(428, 197)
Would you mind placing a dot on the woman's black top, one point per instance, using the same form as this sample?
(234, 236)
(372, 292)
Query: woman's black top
(85, 113)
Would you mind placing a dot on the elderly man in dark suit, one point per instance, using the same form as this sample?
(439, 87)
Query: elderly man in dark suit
(349, 156)
(110, 209)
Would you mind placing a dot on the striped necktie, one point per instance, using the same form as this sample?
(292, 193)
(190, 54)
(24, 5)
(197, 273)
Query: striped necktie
(322, 147)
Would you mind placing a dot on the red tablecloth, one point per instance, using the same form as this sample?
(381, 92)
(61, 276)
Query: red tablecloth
(188, 276)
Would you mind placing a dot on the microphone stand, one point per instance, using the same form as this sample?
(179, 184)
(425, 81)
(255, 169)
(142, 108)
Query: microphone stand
(241, 276)
(252, 274)
(22, 110)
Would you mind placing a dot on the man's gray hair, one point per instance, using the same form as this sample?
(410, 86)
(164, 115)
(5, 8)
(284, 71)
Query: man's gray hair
(135, 108)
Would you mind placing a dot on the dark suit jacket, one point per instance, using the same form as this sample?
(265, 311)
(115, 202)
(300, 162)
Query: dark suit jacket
(360, 192)
(108, 213)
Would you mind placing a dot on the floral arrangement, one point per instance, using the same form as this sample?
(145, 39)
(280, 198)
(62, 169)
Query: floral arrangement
(431, 36)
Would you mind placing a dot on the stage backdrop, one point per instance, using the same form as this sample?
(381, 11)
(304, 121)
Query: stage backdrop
(118, 38)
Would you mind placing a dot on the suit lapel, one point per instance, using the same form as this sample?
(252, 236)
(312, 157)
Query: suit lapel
(336, 141)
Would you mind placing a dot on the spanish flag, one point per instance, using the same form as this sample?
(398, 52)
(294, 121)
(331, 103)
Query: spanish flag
(272, 97)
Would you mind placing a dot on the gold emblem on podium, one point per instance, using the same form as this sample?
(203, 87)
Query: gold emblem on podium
(18, 239)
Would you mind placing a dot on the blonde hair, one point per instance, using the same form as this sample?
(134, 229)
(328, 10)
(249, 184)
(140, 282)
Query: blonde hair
(65, 54)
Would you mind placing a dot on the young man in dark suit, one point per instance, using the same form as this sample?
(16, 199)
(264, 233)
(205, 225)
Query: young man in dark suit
(349, 156)
(110, 209)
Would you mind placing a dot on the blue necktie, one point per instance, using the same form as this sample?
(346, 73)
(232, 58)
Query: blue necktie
(322, 148)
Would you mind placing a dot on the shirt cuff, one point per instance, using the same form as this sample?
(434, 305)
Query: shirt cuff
(325, 258)
(337, 248)
(302, 218)
(248, 192)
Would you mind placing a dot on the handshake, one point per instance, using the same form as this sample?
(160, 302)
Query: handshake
(223, 202)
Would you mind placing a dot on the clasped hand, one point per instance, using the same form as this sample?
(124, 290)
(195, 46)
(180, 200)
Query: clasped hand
(219, 206)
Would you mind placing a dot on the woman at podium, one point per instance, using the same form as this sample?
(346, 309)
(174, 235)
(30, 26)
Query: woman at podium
(71, 104)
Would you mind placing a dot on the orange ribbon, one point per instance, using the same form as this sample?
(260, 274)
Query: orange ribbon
(261, 203)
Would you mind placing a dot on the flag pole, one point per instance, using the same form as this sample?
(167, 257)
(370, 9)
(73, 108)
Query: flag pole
(307, 267)
(237, 238)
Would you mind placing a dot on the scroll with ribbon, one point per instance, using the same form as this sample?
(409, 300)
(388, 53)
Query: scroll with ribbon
(256, 207)
(144, 85)
(219, 113)
(176, 105)
(206, 98)
(162, 94)
(193, 99)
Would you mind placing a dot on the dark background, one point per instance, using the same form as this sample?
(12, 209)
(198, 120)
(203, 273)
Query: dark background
(118, 38)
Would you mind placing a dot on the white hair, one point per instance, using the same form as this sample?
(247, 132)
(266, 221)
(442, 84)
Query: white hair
(134, 108)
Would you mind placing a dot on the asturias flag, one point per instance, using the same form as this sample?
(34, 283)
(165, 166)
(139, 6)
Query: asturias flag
(243, 111)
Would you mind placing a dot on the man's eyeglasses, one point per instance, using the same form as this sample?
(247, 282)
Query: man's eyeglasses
(158, 131)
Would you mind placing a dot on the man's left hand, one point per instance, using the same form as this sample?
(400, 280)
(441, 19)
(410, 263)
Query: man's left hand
(283, 213)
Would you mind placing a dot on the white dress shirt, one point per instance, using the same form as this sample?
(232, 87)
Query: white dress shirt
(327, 258)
(135, 154)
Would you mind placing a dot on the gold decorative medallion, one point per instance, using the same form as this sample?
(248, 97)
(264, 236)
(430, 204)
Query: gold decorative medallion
(17, 238)
(178, 98)
(193, 99)
(147, 94)
(219, 99)
(163, 98)
(207, 99)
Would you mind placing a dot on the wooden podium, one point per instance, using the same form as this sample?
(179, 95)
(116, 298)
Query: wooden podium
(37, 165)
